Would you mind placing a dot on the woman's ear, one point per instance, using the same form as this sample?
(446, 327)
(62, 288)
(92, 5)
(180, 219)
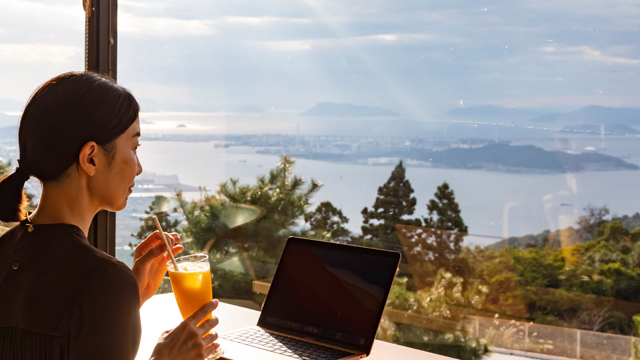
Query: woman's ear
(88, 158)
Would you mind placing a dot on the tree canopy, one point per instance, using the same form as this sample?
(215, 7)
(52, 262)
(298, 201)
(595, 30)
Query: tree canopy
(392, 206)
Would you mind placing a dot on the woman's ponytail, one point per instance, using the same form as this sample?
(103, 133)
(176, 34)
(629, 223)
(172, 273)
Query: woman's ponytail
(13, 201)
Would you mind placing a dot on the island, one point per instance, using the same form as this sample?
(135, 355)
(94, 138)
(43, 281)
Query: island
(492, 157)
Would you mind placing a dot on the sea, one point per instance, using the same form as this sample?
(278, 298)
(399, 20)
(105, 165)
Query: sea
(493, 204)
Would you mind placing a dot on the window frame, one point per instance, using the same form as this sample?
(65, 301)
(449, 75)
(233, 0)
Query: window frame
(101, 56)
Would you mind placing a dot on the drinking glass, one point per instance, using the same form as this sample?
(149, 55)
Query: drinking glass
(192, 286)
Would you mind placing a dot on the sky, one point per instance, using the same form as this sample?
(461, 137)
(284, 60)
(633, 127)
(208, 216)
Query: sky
(418, 58)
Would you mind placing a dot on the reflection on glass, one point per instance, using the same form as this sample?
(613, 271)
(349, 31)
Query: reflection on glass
(496, 146)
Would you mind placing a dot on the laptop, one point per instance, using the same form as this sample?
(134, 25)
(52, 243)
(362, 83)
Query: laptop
(325, 303)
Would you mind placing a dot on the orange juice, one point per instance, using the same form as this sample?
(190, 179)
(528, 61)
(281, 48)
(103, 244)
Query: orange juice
(192, 284)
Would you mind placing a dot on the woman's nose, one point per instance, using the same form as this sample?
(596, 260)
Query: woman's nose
(139, 167)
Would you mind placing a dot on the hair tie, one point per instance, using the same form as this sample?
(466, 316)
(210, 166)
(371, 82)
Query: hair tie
(22, 174)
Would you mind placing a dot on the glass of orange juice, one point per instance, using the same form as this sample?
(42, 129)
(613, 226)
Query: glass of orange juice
(192, 286)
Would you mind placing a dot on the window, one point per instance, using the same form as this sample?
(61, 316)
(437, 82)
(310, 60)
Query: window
(495, 145)
(524, 110)
(38, 40)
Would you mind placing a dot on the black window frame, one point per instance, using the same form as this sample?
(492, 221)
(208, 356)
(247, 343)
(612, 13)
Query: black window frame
(101, 56)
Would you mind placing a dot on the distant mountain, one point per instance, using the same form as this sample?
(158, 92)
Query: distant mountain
(11, 105)
(9, 133)
(488, 111)
(557, 239)
(334, 109)
(7, 120)
(594, 115)
(523, 158)
(593, 129)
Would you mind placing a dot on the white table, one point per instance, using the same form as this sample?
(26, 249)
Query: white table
(161, 313)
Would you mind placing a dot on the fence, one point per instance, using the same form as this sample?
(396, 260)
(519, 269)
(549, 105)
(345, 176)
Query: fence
(552, 340)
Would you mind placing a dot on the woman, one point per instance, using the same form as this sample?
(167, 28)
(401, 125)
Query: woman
(60, 298)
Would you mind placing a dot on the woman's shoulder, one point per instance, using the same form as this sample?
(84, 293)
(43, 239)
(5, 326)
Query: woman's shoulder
(111, 269)
(65, 249)
(9, 233)
(99, 264)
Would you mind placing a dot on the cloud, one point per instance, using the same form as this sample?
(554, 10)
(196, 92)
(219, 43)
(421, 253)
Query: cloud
(350, 42)
(129, 23)
(132, 4)
(254, 20)
(51, 53)
(160, 92)
(587, 53)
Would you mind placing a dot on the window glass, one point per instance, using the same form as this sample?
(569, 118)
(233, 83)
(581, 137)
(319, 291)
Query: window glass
(494, 144)
(38, 40)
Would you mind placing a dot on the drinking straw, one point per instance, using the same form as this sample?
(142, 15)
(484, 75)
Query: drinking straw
(173, 259)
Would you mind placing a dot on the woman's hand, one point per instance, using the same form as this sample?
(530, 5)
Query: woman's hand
(150, 262)
(189, 341)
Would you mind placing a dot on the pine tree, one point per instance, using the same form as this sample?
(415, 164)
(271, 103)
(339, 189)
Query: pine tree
(285, 198)
(257, 244)
(203, 220)
(326, 223)
(393, 204)
(447, 211)
(445, 246)
(159, 207)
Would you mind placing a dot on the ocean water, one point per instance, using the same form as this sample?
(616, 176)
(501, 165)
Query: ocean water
(493, 204)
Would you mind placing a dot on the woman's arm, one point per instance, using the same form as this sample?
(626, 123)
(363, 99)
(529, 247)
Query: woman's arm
(150, 263)
(106, 320)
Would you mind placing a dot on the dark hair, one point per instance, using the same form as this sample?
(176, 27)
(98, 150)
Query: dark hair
(63, 115)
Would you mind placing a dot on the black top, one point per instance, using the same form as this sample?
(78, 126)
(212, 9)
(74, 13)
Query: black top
(61, 298)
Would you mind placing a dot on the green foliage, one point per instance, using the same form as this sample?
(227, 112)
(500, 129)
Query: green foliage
(251, 251)
(285, 199)
(160, 207)
(233, 283)
(203, 222)
(326, 223)
(496, 270)
(5, 168)
(393, 204)
(613, 257)
(537, 267)
(444, 211)
(445, 246)
(630, 222)
(588, 224)
(445, 304)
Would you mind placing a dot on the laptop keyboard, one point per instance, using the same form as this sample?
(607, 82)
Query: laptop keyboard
(297, 349)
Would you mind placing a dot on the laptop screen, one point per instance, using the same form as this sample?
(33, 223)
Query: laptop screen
(330, 292)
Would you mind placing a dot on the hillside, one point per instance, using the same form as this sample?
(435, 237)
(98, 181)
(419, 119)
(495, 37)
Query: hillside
(346, 110)
(9, 133)
(526, 157)
(557, 239)
(522, 158)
